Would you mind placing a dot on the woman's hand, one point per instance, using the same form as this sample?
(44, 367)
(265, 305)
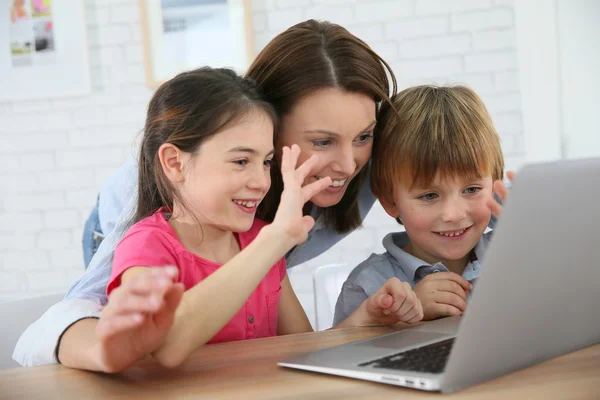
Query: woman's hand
(289, 220)
(137, 318)
(502, 192)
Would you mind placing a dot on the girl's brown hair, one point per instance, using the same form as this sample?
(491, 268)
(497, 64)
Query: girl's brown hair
(307, 57)
(186, 111)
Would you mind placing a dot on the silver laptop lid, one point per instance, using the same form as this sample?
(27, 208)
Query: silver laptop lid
(539, 289)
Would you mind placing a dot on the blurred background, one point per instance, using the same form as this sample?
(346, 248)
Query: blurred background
(535, 64)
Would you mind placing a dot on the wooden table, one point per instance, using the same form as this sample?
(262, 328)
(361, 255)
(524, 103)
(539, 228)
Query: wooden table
(248, 370)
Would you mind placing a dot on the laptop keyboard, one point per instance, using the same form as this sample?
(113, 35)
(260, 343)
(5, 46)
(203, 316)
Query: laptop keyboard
(431, 358)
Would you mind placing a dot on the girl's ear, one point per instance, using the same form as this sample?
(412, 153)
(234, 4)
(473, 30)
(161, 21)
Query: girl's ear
(172, 162)
(390, 208)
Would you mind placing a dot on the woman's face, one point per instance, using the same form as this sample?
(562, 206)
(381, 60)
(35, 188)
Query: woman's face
(337, 126)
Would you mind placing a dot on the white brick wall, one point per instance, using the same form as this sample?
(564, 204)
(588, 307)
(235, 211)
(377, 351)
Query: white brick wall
(56, 152)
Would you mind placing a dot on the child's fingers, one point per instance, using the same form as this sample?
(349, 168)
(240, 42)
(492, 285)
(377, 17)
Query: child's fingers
(384, 302)
(501, 190)
(379, 303)
(511, 176)
(407, 305)
(173, 296)
(445, 310)
(416, 318)
(164, 318)
(450, 276)
(286, 164)
(113, 325)
(123, 302)
(414, 314)
(494, 207)
(313, 188)
(451, 287)
(303, 170)
(153, 280)
(308, 222)
(451, 299)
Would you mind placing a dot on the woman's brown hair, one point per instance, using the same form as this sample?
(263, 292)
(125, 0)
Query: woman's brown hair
(186, 111)
(307, 57)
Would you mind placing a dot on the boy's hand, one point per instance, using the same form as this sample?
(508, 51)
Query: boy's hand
(502, 192)
(443, 294)
(137, 318)
(289, 220)
(394, 302)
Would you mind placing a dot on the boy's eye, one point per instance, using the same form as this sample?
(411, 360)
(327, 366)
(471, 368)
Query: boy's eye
(362, 139)
(472, 190)
(428, 196)
(322, 142)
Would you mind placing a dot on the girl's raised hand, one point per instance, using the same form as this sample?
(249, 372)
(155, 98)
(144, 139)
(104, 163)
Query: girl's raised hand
(289, 219)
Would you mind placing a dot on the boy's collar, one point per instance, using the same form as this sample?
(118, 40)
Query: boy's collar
(394, 242)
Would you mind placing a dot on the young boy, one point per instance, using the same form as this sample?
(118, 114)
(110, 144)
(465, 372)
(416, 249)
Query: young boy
(433, 167)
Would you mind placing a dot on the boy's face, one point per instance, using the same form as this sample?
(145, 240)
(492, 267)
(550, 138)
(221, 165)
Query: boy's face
(444, 220)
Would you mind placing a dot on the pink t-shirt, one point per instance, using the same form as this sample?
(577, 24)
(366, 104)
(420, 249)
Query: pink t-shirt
(152, 242)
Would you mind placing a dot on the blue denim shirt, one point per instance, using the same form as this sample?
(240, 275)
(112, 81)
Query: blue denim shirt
(87, 296)
(371, 274)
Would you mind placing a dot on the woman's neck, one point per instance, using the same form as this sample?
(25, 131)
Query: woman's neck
(204, 240)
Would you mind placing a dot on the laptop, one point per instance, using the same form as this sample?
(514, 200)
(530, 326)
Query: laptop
(536, 298)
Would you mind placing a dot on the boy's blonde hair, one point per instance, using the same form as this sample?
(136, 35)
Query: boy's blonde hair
(433, 128)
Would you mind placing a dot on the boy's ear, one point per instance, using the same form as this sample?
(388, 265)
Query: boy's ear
(390, 208)
(172, 161)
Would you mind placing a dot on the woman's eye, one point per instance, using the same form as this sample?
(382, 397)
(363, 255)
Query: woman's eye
(428, 196)
(268, 163)
(322, 142)
(241, 163)
(362, 139)
(472, 190)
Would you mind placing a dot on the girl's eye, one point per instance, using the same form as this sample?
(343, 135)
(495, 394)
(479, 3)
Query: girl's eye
(428, 196)
(472, 190)
(241, 163)
(268, 163)
(362, 139)
(322, 143)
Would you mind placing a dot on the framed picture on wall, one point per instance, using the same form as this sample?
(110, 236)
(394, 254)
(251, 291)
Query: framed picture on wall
(180, 35)
(43, 49)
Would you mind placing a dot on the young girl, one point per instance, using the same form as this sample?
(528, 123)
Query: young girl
(204, 168)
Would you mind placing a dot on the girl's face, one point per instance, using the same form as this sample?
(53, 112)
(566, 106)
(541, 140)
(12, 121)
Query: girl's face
(230, 174)
(338, 127)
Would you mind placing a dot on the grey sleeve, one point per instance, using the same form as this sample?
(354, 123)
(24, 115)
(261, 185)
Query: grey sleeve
(351, 297)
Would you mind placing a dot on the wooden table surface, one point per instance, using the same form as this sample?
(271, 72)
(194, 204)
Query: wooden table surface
(248, 370)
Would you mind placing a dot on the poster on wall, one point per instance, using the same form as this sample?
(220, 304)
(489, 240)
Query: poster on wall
(180, 35)
(43, 51)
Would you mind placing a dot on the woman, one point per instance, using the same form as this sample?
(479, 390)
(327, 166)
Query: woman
(326, 86)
